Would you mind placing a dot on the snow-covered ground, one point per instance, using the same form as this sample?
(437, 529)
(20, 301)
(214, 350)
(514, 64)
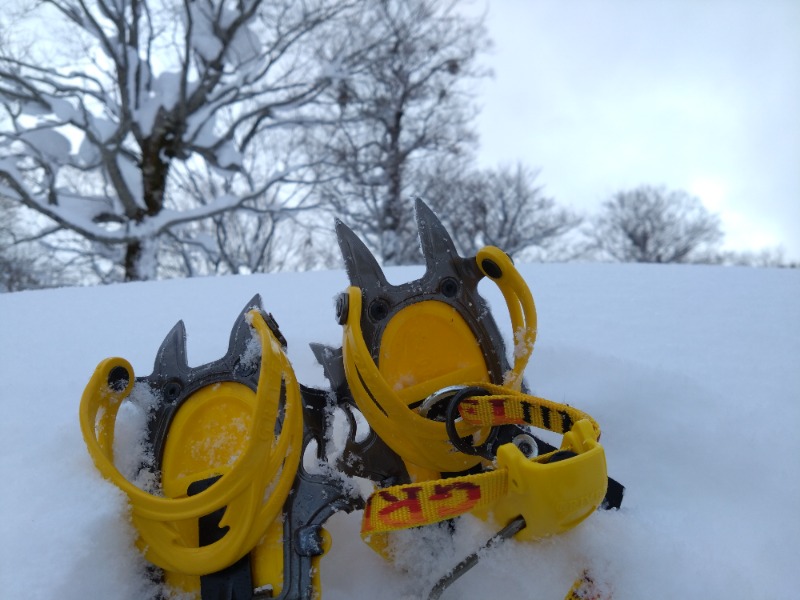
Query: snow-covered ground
(692, 372)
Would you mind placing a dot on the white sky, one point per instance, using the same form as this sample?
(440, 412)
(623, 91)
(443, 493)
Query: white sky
(700, 95)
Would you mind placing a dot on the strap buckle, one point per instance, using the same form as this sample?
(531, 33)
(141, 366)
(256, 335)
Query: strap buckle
(556, 491)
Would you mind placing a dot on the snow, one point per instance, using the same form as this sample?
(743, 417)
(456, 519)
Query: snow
(132, 176)
(691, 372)
(228, 156)
(51, 143)
(102, 129)
(88, 152)
(203, 39)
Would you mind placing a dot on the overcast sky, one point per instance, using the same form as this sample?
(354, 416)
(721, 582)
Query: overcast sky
(700, 95)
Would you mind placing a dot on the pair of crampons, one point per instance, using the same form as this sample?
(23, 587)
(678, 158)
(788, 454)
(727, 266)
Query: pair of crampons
(236, 514)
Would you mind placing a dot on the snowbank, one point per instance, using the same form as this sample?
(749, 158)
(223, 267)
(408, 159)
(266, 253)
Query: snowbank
(690, 371)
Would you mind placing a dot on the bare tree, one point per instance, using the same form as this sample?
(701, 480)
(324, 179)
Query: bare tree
(655, 225)
(259, 236)
(19, 267)
(408, 104)
(502, 207)
(766, 257)
(166, 91)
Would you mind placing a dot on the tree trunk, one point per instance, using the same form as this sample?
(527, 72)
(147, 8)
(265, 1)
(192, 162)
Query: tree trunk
(140, 259)
(393, 210)
(133, 252)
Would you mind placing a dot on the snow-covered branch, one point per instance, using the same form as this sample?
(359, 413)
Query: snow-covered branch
(162, 87)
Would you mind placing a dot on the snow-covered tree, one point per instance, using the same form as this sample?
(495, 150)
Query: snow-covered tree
(259, 237)
(655, 225)
(501, 207)
(138, 117)
(19, 268)
(770, 257)
(408, 105)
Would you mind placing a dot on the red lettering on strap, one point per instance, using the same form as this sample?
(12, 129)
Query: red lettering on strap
(472, 494)
(411, 502)
(498, 408)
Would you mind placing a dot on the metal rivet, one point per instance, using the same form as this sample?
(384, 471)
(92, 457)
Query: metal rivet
(342, 308)
(449, 287)
(378, 309)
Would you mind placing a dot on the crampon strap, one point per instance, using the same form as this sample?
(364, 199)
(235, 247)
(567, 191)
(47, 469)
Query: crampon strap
(252, 491)
(552, 492)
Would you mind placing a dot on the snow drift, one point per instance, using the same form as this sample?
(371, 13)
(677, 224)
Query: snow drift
(690, 371)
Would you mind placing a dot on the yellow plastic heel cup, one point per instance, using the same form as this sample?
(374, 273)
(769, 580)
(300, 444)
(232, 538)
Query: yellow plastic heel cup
(250, 460)
(428, 346)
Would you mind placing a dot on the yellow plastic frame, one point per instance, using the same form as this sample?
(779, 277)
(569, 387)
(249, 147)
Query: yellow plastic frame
(418, 440)
(553, 497)
(267, 462)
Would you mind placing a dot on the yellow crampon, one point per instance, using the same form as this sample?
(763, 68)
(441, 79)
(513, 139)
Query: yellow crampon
(224, 430)
(552, 496)
(439, 351)
(430, 344)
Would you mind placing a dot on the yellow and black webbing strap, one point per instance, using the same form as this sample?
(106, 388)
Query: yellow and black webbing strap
(423, 503)
(585, 588)
(504, 406)
(427, 502)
